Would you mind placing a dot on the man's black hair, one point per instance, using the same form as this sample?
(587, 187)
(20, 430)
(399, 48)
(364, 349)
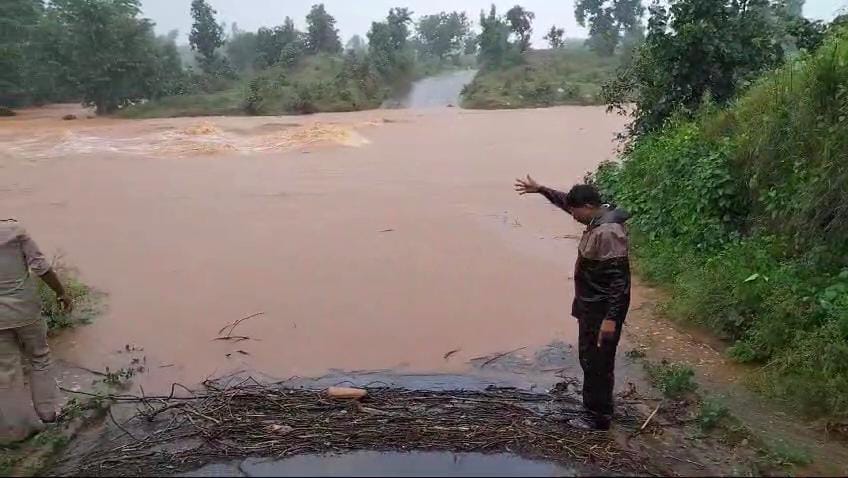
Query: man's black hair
(583, 195)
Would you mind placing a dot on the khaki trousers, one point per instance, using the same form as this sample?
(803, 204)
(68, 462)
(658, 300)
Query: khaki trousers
(17, 420)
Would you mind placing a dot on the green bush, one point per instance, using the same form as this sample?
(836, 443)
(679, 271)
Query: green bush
(743, 214)
(672, 379)
(711, 413)
(85, 303)
(317, 84)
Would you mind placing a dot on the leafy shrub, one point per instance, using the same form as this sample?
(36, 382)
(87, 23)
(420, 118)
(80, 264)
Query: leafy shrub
(317, 83)
(84, 301)
(672, 379)
(711, 413)
(784, 453)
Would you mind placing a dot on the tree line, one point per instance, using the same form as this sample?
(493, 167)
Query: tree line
(698, 52)
(104, 53)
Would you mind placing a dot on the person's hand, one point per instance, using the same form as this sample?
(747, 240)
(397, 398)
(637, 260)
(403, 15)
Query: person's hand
(67, 303)
(527, 186)
(607, 332)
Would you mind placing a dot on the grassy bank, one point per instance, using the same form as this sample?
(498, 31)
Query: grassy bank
(224, 103)
(742, 214)
(542, 78)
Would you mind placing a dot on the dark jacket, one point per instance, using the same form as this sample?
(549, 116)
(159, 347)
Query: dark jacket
(602, 272)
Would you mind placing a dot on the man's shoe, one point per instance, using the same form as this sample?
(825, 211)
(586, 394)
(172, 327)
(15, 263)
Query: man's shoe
(582, 423)
(49, 415)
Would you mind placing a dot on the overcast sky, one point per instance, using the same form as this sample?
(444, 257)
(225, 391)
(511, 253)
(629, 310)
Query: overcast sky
(355, 16)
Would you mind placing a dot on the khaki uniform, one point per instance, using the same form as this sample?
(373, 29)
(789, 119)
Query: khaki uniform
(22, 330)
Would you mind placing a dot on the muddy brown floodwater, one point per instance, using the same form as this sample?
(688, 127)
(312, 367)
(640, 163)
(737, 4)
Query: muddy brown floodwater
(373, 240)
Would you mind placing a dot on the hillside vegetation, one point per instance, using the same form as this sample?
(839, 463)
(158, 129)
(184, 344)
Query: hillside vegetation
(563, 76)
(742, 212)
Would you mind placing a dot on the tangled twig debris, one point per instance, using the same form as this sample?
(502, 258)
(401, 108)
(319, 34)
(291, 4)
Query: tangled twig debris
(226, 422)
(235, 324)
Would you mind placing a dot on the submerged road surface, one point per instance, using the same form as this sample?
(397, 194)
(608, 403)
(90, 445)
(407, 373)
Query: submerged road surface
(372, 240)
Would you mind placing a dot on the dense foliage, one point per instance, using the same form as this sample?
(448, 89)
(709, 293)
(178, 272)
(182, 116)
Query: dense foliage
(321, 33)
(569, 75)
(608, 21)
(206, 36)
(103, 53)
(512, 76)
(743, 212)
(521, 23)
(98, 51)
(554, 37)
(443, 34)
(493, 40)
(705, 49)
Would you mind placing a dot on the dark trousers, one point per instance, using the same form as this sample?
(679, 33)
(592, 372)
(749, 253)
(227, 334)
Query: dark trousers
(598, 365)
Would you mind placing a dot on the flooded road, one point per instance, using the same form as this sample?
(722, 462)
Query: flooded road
(366, 463)
(372, 240)
(434, 91)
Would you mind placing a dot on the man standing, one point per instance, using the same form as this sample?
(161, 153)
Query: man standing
(602, 291)
(22, 329)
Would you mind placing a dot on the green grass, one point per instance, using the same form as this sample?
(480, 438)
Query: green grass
(783, 453)
(711, 413)
(673, 379)
(569, 76)
(224, 103)
(86, 301)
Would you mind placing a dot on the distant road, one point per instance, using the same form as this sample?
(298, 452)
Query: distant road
(434, 91)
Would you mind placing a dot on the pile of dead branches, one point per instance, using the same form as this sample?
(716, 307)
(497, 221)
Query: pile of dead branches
(250, 419)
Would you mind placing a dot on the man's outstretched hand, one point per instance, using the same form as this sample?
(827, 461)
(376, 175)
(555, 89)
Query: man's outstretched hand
(527, 186)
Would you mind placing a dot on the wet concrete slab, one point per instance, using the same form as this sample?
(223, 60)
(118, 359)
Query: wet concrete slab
(369, 463)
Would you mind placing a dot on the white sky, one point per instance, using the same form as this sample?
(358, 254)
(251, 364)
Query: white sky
(355, 16)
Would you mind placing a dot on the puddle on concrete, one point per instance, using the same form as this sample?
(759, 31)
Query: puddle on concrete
(370, 463)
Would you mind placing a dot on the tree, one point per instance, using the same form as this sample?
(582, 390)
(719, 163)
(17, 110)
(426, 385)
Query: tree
(282, 43)
(110, 54)
(18, 21)
(356, 44)
(388, 44)
(521, 23)
(321, 32)
(554, 37)
(795, 8)
(695, 50)
(493, 39)
(607, 20)
(443, 34)
(799, 33)
(171, 78)
(398, 21)
(242, 49)
(206, 35)
(471, 44)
